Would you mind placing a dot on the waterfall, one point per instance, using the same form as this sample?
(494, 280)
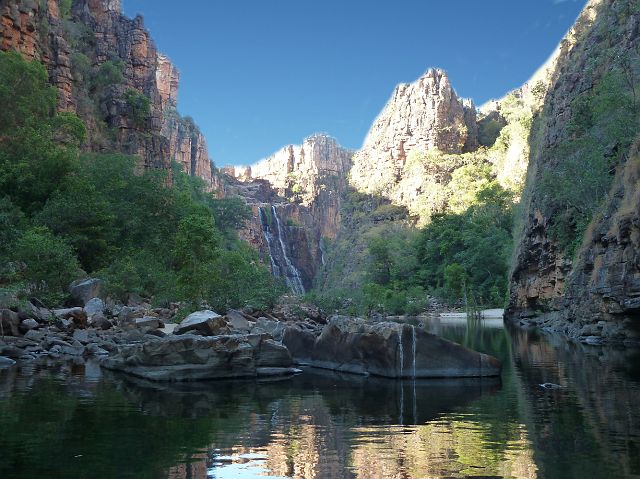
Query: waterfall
(281, 265)
(293, 275)
(275, 270)
(400, 350)
(321, 246)
(413, 348)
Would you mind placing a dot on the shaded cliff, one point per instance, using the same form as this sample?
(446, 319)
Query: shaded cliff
(107, 69)
(576, 267)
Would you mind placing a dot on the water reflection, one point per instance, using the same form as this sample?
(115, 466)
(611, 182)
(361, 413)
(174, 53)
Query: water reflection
(71, 421)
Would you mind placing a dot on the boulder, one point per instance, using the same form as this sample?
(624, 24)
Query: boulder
(94, 306)
(95, 350)
(76, 315)
(81, 335)
(83, 290)
(206, 322)
(35, 335)
(274, 328)
(28, 324)
(129, 313)
(36, 310)
(100, 321)
(300, 342)
(9, 323)
(149, 322)
(237, 321)
(190, 357)
(387, 349)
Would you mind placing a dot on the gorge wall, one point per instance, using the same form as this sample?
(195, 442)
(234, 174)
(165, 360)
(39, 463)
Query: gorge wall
(107, 70)
(577, 263)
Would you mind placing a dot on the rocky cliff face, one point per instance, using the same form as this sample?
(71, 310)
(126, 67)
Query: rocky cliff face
(106, 67)
(426, 115)
(594, 293)
(295, 195)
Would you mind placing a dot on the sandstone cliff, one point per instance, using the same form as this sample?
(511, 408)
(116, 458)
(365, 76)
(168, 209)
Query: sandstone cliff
(423, 116)
(584, 283)
(107, 69)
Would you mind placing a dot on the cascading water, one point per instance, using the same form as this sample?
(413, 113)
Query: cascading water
(413, 349)
(275, 269)
(400, 350)
(321, 246)
(281, 265)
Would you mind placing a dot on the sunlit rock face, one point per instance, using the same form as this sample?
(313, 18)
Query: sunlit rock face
(593, 294)
(299, 170)
(38, 31)
(422, 116)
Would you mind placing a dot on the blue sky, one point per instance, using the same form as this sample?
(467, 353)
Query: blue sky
(259, 74)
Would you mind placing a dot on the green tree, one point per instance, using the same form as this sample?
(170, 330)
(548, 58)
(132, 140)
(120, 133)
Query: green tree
(196, 248)
(38, 147)
(48, 264)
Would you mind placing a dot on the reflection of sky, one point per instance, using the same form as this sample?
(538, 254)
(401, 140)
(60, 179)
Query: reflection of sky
(247, 466)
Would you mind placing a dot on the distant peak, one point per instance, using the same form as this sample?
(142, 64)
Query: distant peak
(435, 73)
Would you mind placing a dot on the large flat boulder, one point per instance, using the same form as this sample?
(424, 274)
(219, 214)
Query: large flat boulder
(190, 358)
(386, 349)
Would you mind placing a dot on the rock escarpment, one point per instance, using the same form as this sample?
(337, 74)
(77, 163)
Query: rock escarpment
(107, 68)
(591, 293)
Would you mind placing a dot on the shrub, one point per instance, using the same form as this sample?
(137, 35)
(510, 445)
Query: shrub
(139, 107)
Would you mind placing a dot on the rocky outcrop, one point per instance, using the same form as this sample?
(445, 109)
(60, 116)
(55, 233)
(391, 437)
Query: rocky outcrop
(422, 116)
(188, 358)
(97, 57)
(386, 349)
(593, 294)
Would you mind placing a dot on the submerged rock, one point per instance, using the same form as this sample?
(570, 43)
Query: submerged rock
(386, 349)
(190, 357)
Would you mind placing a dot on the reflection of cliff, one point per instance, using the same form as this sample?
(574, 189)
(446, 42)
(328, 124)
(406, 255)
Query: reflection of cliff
(592, 417)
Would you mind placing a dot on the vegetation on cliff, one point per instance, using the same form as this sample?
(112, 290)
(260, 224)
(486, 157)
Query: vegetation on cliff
(64, 213)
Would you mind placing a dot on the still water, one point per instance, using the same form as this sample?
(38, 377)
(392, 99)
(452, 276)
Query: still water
(76, 421)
